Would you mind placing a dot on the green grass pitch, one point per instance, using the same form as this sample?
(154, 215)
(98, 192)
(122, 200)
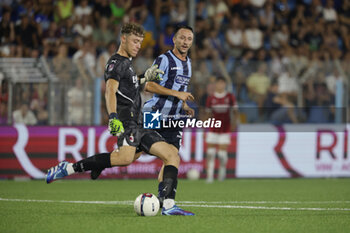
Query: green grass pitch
(236, 205)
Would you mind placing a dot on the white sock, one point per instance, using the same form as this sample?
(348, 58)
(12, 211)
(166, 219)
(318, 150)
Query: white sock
(70, 169)
(168, 203)
(210, 164)
(222, 154)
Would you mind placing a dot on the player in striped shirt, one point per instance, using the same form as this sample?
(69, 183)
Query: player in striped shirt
(171, 93)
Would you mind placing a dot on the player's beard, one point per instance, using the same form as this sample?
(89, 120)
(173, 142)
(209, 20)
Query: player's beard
(181, 52)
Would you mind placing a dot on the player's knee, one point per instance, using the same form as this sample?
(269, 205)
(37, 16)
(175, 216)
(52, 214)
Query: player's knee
(222, 155)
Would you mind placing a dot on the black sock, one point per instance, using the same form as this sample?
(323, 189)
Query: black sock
(96, 162)
(169, 182)
(160, 188)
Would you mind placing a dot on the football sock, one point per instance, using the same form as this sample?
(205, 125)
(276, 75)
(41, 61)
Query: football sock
(222, 154)
(70, 169)
(169, 182)
(160, 188)
(168, 203)
(210, 164)
(96, 162)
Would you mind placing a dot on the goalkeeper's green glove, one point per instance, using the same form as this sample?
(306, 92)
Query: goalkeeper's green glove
(115, 126)
(152, 74)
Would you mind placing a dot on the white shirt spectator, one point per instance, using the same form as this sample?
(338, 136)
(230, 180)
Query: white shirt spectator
(258, 3)
(254, 38)
(331, 82)
(329, 14)
(88, 58)
(80, 11)
(235, 37)
(84, 31)
(217, 11)
(287, 84)
(24, 116)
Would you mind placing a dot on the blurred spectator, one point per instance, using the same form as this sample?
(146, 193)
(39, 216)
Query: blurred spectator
(51, 38)
(24, 115)
(143, 62)
(253, 37)
(162, 12)
(280, 37)
(67, 31)
(258, 84)
(287, 84)
(119, 9)
(61, 64)
(166, 39)
(329, 13)
(83, 9)
(7, 28)
(201, 9)
(314, 37)
(63, 10)
(101, 9)
(83, 28)
(178, 13)
(267, 17)
(76, 103)
(243, 9)
(85, 58)
(217, 11)
(331, 81)
(104, 56)
(102, 35)
(344, 14)
(234, 37)
(27, 34)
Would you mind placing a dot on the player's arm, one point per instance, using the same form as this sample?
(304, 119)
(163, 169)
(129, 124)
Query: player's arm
(190, 111)
(115, 126)
(160, 90)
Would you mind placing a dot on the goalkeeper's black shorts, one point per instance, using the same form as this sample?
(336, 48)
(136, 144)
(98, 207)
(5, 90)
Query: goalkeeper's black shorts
(140, 138)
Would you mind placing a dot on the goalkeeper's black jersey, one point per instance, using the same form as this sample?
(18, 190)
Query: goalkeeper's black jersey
(128, 95)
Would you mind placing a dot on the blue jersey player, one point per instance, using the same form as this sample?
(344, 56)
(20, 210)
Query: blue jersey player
(177, 69)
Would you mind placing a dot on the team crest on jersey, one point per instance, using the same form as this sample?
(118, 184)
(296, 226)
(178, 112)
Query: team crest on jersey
(110, 67)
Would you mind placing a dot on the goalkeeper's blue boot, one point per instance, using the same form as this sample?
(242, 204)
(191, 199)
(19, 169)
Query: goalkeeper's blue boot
(57, 172)
(175, 210)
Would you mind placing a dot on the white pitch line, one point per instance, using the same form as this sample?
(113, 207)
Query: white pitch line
(263, 202)
(266, 208)
(188, 205)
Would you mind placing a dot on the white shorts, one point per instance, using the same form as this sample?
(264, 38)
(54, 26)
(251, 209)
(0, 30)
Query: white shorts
(218, 138)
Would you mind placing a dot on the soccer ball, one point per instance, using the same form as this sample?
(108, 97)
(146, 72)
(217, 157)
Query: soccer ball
(193, 174)
(146, 204)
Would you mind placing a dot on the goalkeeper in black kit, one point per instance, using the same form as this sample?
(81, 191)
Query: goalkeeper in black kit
(123, 102)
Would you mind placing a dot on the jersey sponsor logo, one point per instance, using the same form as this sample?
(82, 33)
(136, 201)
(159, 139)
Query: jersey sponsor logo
(176, 68)
(135, 81)
(182, 79)
(131, 138)
(151, 120)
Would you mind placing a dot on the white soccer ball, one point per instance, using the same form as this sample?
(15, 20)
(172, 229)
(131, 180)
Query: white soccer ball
(146, 204)
(193, 174)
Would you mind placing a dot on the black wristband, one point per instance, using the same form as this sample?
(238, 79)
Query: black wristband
(113, 115)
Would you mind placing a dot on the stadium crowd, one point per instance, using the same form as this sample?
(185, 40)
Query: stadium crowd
(284, 58)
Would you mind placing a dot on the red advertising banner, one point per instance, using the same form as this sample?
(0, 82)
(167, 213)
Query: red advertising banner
(255, 151)
(31, 150)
